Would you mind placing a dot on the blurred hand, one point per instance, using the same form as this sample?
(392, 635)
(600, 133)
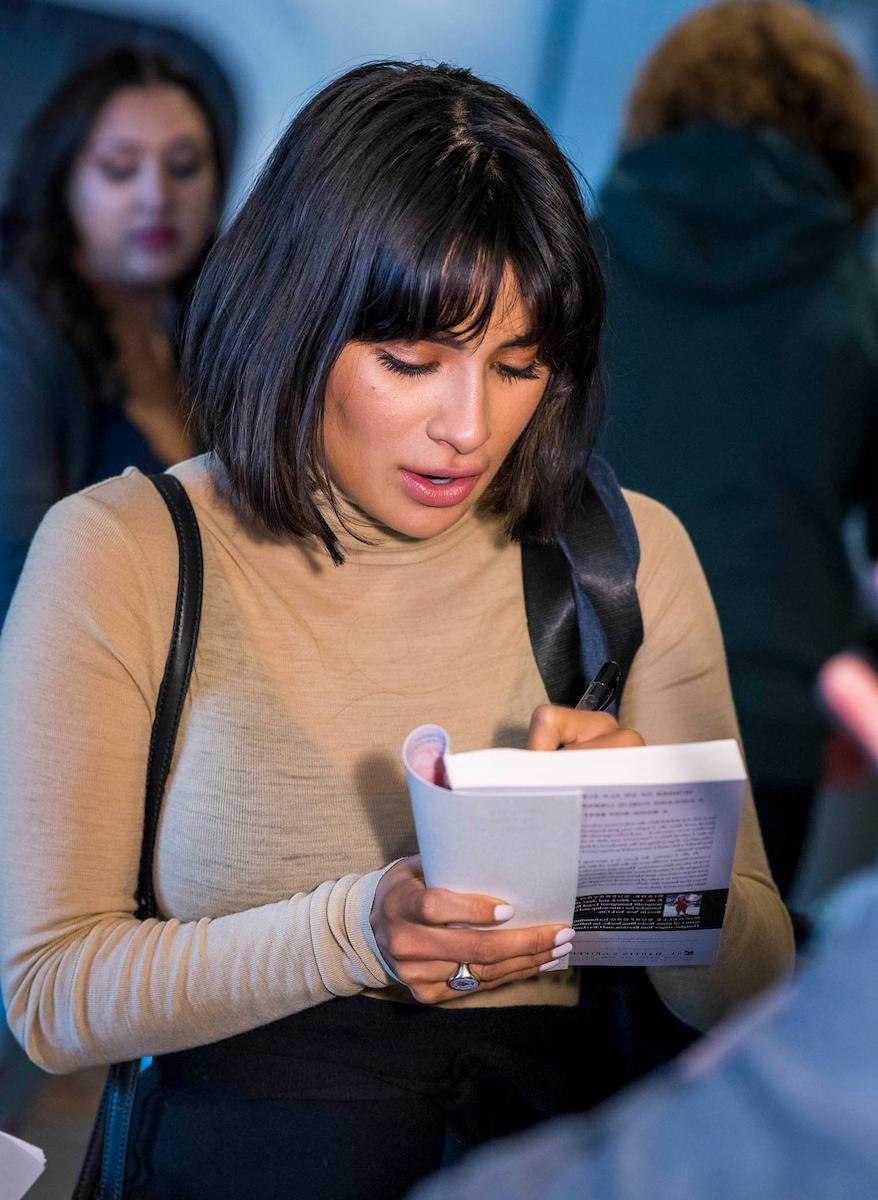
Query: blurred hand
(849, 687)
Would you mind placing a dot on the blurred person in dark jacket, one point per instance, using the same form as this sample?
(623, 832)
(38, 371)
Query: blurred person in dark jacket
(742, 352)
(114, 198)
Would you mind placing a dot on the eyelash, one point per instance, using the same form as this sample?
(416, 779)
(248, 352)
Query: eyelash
(413, 371)
(125, 174)
(402, 368)
(185, 170)
(117, 174)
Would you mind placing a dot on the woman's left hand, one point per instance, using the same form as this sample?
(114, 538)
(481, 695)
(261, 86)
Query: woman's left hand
(555, 728)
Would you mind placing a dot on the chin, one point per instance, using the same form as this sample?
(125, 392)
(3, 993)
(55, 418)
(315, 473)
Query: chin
(427, 522)
(159, 273)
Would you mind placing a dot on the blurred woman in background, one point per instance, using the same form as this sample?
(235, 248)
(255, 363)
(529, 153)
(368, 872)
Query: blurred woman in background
(113, 202)
(742, 356)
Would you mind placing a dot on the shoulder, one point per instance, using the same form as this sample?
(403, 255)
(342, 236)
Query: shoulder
(22, 324)
(670, 577)
(38, 369)
(201, 477)
(127, 503)
(659, 531)
(104, 545)
(131, 503)
(100, 580)
(125, 518)
(682, 641)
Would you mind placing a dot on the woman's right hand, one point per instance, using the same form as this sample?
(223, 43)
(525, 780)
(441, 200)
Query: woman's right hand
(417, 931)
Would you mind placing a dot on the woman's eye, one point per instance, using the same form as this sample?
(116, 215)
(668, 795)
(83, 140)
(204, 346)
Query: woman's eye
(412, 370)
(185, 168)
(118, 172)
(509, 373)
(415, 370)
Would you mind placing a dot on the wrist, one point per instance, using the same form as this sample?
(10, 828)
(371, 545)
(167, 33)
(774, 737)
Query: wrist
(386, 879)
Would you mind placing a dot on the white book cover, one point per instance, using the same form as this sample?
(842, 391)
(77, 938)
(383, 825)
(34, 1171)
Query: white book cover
(631, 847)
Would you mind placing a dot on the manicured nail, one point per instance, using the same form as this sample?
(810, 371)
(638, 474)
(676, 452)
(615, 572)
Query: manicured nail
(564, 935)
(560, 951)
(547, 966)
(503, 912)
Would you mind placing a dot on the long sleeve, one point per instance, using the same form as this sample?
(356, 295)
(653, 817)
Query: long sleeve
(84, 982)
(678, 691)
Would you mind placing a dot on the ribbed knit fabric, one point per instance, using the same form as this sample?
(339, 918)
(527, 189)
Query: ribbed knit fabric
(286, 797)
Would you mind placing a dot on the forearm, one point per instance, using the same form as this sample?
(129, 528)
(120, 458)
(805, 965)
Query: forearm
(756, 951)
(115, 988)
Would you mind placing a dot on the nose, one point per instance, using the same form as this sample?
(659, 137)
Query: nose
(462, 415)
(154, 188)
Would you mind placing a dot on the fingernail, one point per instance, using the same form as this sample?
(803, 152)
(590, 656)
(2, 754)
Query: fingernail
(564, 935)
(503, 912)
(548, 966)
(560, 951)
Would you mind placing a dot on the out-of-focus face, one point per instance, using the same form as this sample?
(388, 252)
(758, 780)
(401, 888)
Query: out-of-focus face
(415, 432)
(142, 193)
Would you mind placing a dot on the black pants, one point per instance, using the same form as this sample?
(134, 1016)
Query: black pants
(359, 1099)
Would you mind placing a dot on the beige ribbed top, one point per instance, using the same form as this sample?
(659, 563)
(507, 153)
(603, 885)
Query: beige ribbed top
(286, 796)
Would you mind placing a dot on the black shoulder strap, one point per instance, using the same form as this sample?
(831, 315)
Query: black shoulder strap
(178, 672)
(588, 568)
(102, 1176)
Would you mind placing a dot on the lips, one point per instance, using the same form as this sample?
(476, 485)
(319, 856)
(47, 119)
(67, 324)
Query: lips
(157, 237)
(438, 491)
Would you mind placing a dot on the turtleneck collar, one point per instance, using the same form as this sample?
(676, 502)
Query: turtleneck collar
(361, 538)
(365, 541)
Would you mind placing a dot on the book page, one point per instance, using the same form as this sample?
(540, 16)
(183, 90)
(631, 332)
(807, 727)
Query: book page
(494, 844)
(632, 847)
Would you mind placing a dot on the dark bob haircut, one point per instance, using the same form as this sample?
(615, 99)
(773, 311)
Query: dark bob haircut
(390, 209)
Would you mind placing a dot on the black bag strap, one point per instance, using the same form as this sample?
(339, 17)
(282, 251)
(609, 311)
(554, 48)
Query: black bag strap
(175, 681)
(589, 557)
(103, 1171)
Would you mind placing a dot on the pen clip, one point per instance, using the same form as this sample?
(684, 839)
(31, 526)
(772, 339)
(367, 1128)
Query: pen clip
(602, 690)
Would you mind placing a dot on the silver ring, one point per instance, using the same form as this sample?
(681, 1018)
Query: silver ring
(463, 979)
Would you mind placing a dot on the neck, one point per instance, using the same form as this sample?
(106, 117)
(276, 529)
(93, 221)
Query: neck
(364, 540)
(142, 306)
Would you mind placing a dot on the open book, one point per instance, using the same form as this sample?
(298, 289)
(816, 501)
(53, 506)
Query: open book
(633, 848)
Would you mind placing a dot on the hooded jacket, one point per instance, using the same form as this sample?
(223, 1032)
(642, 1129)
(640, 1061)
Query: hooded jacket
(742, 371)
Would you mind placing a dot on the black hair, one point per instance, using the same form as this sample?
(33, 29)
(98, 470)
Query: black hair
(390, 209)
(37, 238)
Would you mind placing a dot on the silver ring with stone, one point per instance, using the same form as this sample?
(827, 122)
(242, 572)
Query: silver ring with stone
(463, 979)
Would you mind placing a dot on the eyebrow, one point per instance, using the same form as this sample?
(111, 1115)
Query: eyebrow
(126, 146)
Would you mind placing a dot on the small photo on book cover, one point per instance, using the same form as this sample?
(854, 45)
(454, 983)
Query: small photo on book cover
(682, 904)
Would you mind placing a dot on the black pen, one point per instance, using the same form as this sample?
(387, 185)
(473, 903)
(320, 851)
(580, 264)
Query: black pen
(600, 692)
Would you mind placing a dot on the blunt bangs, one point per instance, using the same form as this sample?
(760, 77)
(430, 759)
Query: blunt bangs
(393, 208)
(440, 270)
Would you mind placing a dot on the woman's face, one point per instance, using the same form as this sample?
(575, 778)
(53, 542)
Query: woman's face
(415, 432)
(142, 190)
